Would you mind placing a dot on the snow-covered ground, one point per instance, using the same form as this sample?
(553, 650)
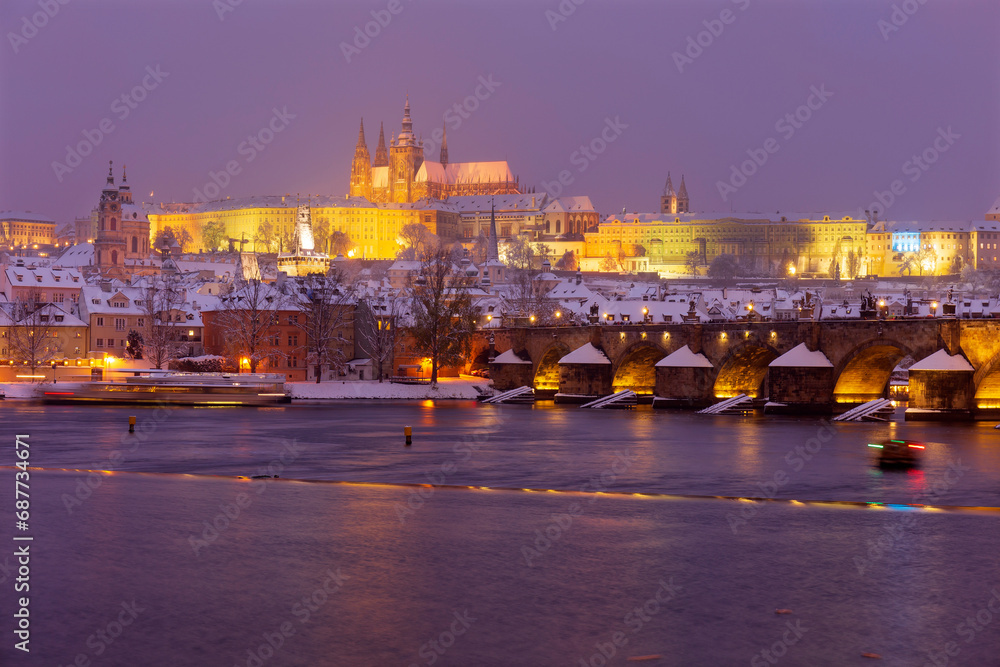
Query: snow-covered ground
(446, 388)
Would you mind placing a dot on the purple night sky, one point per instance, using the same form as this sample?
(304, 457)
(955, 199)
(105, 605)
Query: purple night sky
(892, 90)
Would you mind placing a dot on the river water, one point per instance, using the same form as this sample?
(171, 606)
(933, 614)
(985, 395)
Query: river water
(589, 537)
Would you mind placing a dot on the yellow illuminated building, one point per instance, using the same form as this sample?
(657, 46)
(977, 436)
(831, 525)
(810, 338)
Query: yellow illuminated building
(267, 224)
(810, 244)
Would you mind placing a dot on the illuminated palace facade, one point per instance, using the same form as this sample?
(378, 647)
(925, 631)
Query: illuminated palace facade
(401, 175)
(374, 229)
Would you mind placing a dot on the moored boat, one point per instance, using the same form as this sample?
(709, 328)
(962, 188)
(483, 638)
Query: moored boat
(176, 388)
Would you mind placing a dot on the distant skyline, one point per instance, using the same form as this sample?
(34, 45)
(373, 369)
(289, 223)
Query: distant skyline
(762, 106)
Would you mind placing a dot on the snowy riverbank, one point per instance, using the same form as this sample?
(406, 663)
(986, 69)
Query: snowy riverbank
(461, 388)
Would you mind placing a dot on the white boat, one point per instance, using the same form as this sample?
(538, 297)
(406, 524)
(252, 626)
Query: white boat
(172, 387)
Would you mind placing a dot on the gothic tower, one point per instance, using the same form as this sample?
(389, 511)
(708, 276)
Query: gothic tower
(381, 155)
(683, 205)
(361, 168)
(406, 154)
(444, 148)
(668, 202)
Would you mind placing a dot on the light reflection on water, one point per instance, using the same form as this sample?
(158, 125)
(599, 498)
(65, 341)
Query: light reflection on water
(411, 570)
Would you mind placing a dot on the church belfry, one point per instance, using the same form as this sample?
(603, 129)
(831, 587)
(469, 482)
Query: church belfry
(672, 203)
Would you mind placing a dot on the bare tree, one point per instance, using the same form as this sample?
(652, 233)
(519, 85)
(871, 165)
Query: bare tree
(380, 319)
(525, 299)
(160, 301)
(481, 248)
(418, 241)
(443, 316)
(518, 253)
(266, 238)
(692, 261)
(31, 336)
(246, 318)
(213, 234)
(567, 262)
(340, 243)
(326, 306)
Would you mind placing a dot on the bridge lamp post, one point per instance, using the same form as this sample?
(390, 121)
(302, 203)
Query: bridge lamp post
(645, 314)
(934, 305)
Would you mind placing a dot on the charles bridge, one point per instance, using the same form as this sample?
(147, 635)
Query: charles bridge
(729, 358)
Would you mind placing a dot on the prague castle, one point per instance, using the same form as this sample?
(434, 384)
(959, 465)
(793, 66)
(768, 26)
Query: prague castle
(401, 175)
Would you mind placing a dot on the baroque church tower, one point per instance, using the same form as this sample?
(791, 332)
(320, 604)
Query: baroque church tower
(110, 244)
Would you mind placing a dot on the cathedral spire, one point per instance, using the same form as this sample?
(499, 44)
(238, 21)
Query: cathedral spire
(493, 246)
(111, 173)
(361, 137)
(444, 147)
(683, 203)
(668, 189)
(381, 154)
(124, 185)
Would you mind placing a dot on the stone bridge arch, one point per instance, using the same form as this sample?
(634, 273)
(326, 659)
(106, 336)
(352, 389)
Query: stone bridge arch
(635, 367)
(863, 373)
(546, 375)
(987, 383)
(743, 369)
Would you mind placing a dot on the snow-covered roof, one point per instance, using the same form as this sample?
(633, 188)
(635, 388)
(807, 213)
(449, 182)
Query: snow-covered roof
(509, 357)
(43, 277)
(942, 361)
(571, 205)
(24, 216)
(684, 358)
(464, 172)
(81, 254)
(801, 357)
(995, 209)
(502, 203)
(585, 354)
